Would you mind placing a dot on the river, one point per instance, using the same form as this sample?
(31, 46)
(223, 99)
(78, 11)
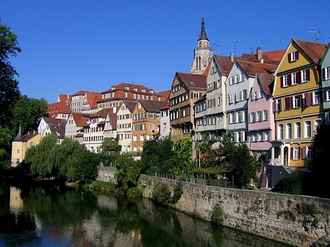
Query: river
(59, 216)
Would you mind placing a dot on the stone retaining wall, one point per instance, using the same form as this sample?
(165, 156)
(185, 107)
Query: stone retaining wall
(106, 174)
(272, 215)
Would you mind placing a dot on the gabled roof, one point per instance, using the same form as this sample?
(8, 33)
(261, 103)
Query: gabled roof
(124, 85)
(313, 50)
(54, 121)
(80, 119)
(274, 56)
(130, 104)
(193, 81)
(165, 94)
(25, 137)
(266, 81)
(152, 106)
(224, 64)
(80, 92)
(58, 130)
(253, 68)
(92, 98)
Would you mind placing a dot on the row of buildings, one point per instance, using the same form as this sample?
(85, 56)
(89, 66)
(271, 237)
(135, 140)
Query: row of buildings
(271, 100)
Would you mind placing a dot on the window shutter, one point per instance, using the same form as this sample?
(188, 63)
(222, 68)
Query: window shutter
(299, 100)
(298, 77)
(289, 79)
(299, 151)
(307, 74)
(287, 103)
(289, 57)
(303, 153)
(297, 55)
(282, 81)
(291, 152)
(274, 106)
(308, 99)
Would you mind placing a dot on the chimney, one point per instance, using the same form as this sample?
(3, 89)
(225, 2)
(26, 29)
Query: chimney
(231, 56)
(259, 54)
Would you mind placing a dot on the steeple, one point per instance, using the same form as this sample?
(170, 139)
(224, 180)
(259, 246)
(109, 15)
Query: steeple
(19, 135)
(203, 35)
(202, 53)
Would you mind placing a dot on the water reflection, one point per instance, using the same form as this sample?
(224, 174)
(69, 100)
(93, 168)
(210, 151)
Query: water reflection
(57, 216)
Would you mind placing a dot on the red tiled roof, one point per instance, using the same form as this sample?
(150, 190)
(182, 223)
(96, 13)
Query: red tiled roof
(252, 68)
(267, 82)
(165, 94)
(314, 50)
(80, 119)
(123, 85)
(224, 64)
(152, 106)
(92, 98)
(192, 81)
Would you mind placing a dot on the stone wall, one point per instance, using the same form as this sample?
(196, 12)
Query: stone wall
(276, 216)
(106, 174)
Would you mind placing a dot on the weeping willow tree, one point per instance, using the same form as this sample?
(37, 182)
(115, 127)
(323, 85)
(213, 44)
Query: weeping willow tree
(68, 160)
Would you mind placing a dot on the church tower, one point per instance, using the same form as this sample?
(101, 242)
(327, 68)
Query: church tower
(202, 53)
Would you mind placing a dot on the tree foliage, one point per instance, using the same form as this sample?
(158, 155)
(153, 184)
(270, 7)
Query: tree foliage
(128, 172)
(9, 91)
(69, 160)
(110, 150)
(27, 113)
(320, 168)
(183, 159)
(157, 155)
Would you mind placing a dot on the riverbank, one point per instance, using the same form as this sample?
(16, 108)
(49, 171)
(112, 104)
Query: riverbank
(291, 219)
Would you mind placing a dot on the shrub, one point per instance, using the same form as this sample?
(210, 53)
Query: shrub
(134, 192)
(307, 209)
(177, 192)
(161, 194)
(102, 185)
(217, 215)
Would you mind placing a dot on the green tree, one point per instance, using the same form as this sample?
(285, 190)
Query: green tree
(110, 150)
(182, 161)
(27, 113)
(38, 157)
(157, 155)
(319, 167)
(9, 91)
(128, 172)
(239, 164)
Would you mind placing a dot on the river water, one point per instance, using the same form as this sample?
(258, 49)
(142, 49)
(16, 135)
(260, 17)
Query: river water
(58, 216)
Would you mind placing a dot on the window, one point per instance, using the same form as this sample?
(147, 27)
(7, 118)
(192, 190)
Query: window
(308, 129)
(304, 75)
(307, 153)
(242, 136)
(265, 115)
(230, 115)
(317, 123)
(259, 137)
(266, 136)
(297, 130)
(277, 105)
(242, 116)
(251, 117)
(296, 101)
(327, 95)
(295, 153)
(293, 56)
(280, 132)
(326, 73)
(258, 116)
(316, 98)
(288, 131)
(236, 117)
(293, 78)
(285, 81)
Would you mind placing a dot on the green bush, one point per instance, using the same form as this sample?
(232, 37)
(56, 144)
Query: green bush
(134, 192)
(177, 192)
(102, 185)
(307, 209)
(217, 215)
(161, 194)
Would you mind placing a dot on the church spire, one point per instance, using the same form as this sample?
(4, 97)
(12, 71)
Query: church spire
(19, 136)
(203, 35)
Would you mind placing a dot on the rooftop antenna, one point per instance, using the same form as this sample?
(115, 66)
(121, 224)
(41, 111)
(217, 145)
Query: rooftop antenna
(235, 41)
(217, 44)
(316, 35)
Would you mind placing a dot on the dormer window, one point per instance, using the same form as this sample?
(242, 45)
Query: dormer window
(293, 56)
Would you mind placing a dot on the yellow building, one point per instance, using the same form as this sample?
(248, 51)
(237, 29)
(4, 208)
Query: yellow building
(20, 144)
(297, 104)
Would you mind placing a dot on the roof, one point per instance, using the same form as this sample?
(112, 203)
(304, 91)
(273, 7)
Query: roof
(51, 121)
(92, 98)
(253, 68)
(193, 81)
(58, 130)
(152, 106)
(266, 82)
(80, 119)
(165, 94)
(224, 64)
(314, 50)
(274, 56)
(130, 104)
(124, 86)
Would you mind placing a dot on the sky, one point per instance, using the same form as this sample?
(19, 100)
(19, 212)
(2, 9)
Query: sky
(73, 45)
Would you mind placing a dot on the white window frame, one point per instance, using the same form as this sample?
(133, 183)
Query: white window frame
(288, 131)
(326, 73)
(303, 76)
(308, 129)
(280, 132)
(293, 78)
(295, 155)
(297, 130)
